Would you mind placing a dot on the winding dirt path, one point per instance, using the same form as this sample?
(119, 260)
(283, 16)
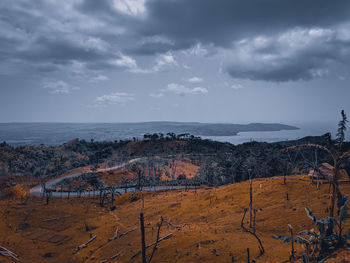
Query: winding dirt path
(37, 190)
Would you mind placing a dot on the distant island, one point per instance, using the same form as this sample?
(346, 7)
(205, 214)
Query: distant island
(58, 133)
(210, 129)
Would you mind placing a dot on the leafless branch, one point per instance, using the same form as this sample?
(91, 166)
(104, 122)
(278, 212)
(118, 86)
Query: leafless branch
(261, 247)
(7, 253)
(306, 146)
(169, 223)
(116, 236)
(111, 258)
(157, 240)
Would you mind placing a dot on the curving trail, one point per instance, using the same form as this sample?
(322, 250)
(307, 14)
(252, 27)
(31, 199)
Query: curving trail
(37, 190)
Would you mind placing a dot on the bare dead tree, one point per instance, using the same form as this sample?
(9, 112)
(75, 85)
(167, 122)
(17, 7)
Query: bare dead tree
(48, 194)
(143, 241)
(292, 241)
(103, 196)
(260, 246)
(338, 159)
(159, 225)
(250, 198)
(255, 210)
(69, 188)
(334, 149)
(148, 246)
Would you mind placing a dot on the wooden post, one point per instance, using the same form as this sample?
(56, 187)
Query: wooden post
(248, 255)
(143, 242)
(254, 220)
(292, 241)
(251, 202)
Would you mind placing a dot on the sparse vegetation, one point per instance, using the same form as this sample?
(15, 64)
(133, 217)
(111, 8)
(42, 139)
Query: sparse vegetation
(319, 243)
(206, 220)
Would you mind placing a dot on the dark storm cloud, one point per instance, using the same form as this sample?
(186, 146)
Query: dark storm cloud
(59, 50)
(54, 33)
(221, 22)
(298, 54)
(98, 33)
(284, 71)
(225, 22)
(93, 6)
(150, 48)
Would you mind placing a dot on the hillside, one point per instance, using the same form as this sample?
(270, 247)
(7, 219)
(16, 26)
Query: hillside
(207, 221)
(219, 163)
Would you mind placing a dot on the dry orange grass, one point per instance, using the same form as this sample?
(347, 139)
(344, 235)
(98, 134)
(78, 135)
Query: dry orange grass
(209, 220)
(179, 167)
(116, 176)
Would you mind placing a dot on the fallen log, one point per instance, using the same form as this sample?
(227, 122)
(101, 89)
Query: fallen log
(111, 258)
(56, 218)
(7, 253)
(116, 236)
(84, 245)
(160, 239)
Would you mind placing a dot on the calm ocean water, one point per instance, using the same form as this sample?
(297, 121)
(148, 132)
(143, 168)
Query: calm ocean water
(58, 133)
(305, 129)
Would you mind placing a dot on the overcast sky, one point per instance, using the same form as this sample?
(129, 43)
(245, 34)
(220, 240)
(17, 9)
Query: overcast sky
(200, 60)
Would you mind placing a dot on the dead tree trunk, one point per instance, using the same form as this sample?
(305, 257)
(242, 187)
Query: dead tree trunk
(254, 220)
(143, 241)
(292, 241)
(43, 189)
(260, 246)
(250, 202)
(157, 241)
(48, 195)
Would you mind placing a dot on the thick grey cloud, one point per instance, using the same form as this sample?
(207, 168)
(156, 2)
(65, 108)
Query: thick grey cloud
(298, 54)
(49, 34)
(116, 34)
(221, 22)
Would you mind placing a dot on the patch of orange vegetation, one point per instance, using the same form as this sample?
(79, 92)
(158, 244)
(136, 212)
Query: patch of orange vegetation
(115, 177)
(175, 168)
(209, 221)
(12, 180)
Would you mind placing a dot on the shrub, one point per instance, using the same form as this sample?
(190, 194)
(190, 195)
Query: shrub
(327, 237)
(19, 192)
(16, 192)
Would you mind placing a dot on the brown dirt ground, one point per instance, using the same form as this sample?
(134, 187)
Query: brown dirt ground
(116, 176)
(182, 167)
(209, 220)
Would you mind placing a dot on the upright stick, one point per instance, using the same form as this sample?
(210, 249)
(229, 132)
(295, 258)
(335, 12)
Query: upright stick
(143, 242)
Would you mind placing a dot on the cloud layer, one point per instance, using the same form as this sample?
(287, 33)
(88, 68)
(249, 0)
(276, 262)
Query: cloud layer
(182, 90)
(114, 98)
(267, 40)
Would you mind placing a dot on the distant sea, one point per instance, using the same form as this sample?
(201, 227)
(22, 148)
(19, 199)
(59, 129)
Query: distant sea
(52, 134)
(305, 129)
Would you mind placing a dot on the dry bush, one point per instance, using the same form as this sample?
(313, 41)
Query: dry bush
(15, 192)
